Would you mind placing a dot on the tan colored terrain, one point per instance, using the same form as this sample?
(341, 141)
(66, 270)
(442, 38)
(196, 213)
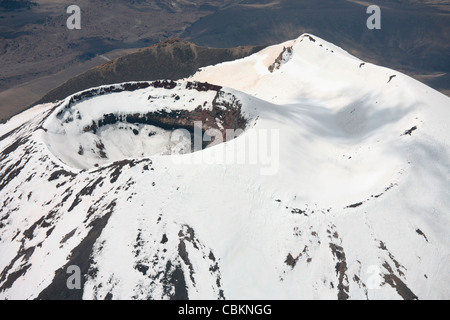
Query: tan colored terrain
(38, 52)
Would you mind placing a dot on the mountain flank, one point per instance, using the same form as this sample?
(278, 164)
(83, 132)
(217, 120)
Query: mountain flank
(172, 60)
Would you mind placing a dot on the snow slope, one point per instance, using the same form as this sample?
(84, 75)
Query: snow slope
(336, 187)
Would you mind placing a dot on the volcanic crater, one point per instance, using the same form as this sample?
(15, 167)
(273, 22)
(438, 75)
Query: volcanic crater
(141, 119)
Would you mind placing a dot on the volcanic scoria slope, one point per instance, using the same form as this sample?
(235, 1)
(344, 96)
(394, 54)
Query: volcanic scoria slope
(335, 185)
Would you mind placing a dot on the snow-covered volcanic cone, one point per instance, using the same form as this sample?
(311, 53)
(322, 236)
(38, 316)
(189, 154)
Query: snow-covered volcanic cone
(135, 120)
(335, 185)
